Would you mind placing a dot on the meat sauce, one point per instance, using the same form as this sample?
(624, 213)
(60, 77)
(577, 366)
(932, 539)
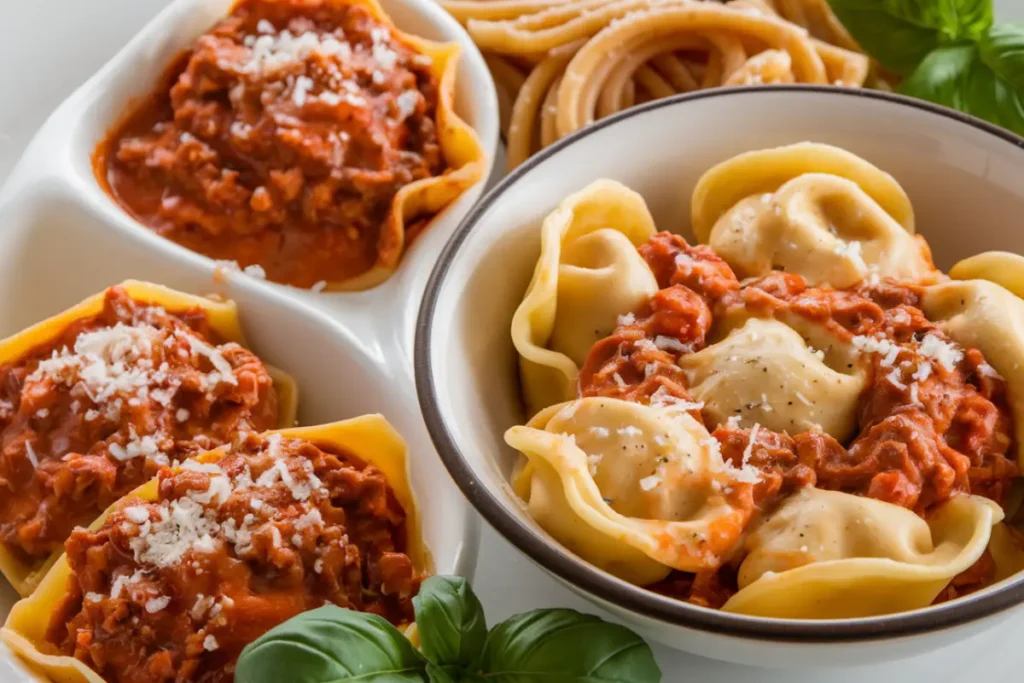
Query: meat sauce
(280, 140)
(277, 527)
(932, 420)
(94, 413)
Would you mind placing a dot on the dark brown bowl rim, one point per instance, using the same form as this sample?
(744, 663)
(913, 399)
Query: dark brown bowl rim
(604, 586)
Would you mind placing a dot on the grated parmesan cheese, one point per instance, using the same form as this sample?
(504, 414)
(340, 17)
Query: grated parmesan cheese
(946, 354)
(671, 344)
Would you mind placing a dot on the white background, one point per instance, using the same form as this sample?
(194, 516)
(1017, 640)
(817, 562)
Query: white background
(38, 68)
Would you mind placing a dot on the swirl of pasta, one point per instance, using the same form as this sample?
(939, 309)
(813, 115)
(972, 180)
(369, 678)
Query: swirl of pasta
(591, 58)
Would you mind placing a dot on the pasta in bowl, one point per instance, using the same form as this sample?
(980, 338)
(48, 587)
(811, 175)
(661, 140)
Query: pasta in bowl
(783, 438)
(856, 483)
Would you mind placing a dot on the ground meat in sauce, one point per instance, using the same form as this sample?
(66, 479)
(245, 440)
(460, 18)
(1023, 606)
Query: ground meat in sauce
(933, 419)
(332, 532)
(281, 140)
(77, 431)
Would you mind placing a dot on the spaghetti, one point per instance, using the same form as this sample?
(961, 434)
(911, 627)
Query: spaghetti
(562, 65)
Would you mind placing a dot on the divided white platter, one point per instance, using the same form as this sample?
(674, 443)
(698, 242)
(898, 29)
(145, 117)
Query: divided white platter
(62, 239)
(80, 36)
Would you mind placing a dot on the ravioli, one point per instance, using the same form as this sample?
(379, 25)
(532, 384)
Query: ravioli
(764, 373)
(833, 555)
(589, 272)
(635, 490)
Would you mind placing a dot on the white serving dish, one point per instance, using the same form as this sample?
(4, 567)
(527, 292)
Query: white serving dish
(966, 181)
(63, 239)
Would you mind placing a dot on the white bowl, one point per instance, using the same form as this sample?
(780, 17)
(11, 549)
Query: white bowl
(966, 181)
(63, 239)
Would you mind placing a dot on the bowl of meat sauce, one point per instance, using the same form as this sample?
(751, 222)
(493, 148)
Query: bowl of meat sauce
(758, 394)
(309, 141)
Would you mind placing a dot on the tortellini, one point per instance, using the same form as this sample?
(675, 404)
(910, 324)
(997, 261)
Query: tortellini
(766, 170)
(636, 490)
(832, 555)
(763, 373)
(809, 209)
(985, 316)
(1000, 267)
(589, 273)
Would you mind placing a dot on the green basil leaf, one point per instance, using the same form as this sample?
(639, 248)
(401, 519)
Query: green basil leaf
(901, 33)
(1002, 49)
(942, 76)
(332, 645)
(435, 674)
(565, 646)
(451, 621)
(971, 79)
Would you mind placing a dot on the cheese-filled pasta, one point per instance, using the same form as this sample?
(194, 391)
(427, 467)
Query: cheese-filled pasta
(637, 490)
(799, 417)
(809, 209)
(824, 227)
(828, 554)
(754, 373)
(588, 273)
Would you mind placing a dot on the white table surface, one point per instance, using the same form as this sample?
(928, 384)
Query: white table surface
(82, 34)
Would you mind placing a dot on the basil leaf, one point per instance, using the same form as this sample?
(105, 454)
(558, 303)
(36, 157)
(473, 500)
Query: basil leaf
(983, 80)
(436, 674)
(451, 621)
(332, 645)
(565, 646)
(901, 33)
(942, 76)
(1002, 49)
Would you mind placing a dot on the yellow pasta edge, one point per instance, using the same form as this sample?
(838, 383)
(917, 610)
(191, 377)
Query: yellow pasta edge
(429, 196)
(756, 172)
(223, 318)
(369, 437)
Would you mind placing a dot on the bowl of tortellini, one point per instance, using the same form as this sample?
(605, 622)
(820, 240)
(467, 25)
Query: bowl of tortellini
(744, 368)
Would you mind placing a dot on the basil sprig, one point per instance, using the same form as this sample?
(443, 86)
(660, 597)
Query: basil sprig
(949, 52)
(335, 645)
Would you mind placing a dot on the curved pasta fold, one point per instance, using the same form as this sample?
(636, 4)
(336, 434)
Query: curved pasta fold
(462, 152)
(636, 490)
(1001, 267)
(820, 226)
(589, 272)
(370, 438)
(765, 171)
(223, 319)
(832, 555)
(765, 374)
(988, 317)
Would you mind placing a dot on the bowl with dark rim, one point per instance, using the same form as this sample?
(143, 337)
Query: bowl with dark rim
(965, 179)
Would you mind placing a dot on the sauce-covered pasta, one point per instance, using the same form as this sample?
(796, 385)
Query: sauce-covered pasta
(304, 140)
(854, 409)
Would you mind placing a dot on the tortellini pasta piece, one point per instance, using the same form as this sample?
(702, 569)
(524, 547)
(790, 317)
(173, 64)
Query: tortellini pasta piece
(1001, 267)
(765, 374)
(985, 316)
(589, 273)
(753, 174)
(822, 227)
(812, 209)
(636, 490)
(833, 555)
